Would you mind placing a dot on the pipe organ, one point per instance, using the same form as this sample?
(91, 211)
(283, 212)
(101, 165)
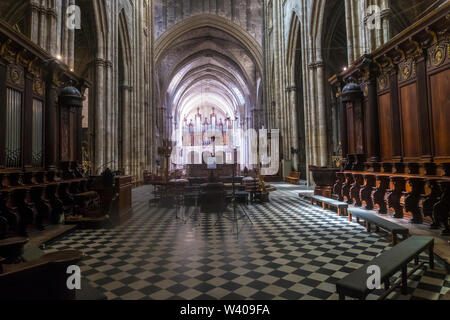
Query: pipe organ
(205, 126)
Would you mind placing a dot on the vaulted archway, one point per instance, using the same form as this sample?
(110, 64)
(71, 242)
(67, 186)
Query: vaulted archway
(208, 70)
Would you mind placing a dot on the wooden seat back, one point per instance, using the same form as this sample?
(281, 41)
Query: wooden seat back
(41, 279)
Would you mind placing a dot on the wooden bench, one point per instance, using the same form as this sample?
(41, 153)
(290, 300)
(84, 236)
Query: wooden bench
(326, 202)
(88, 292)
(43, 278)
(12, 248)
(446, 296)
(293, 178)
(390, 262)
(379, 222)
(2, 261)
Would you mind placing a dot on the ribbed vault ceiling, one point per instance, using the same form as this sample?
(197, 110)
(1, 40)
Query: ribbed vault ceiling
(204, 69)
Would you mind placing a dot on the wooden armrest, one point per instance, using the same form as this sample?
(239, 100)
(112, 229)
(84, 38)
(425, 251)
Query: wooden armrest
(86, 194)
(13, 241)
(67, 256)
(2, 260)
(446, 297)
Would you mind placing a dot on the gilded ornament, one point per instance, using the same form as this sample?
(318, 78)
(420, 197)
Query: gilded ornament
(406, 72)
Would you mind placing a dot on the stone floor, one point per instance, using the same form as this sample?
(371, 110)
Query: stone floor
(292, 251)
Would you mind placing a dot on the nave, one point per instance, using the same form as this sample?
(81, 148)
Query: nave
(293, 251)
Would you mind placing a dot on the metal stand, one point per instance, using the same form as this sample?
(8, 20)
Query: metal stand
(235, 218)
(196, 207)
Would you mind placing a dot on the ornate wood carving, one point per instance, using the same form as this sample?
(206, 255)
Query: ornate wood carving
(431, 199)
(413, 198)
(367, 190)
(15, 76)
(396, 194)
(410, 81)
(29, 195)
(337, 188)
(438, 54)
(407, 70)
(441, 210)
(346, 188)
(379, 195)
(356, 189)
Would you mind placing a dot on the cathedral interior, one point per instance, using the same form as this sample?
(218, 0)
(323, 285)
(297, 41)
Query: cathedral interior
(224, 149)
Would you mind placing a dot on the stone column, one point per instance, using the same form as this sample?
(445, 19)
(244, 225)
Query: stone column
(99, 114)
(35, 14)
(294, 124)
(126, 128)
(349, 27)
(109, 126)
(312, 121)
(51, 126)
(52, 27)
(43, 25)
(64, 47)
(70, 58)
(322, 130)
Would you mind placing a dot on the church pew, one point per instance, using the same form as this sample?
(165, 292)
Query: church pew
(405, 191)
(341, 206)
(41, 279)
(379, 222)
(12, 248)
(293, 178)
(390, 262)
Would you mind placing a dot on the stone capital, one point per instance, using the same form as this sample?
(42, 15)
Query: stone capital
(35, 6)
(52, 12)
(291, 89)
(108, 64)
(127, 87)
(316, 65)
(99, 62)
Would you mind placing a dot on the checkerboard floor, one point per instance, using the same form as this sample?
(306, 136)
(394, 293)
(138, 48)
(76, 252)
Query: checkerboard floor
(293, 251)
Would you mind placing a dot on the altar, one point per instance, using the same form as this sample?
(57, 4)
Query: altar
(201, 171)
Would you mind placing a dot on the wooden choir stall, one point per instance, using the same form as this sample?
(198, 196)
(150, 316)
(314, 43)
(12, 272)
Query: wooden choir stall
(395, 120)
(41, 179)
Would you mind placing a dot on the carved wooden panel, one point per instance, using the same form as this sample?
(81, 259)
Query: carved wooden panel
(440, 108)
(350, 129)
(359, 129)
(410, 122)
(73, 131)
(367, 119)
(407, 70)
(438, 55)
(65, 134)
(15, 76)
(385, 119)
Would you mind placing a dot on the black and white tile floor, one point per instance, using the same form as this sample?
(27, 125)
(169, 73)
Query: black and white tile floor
(293, 251)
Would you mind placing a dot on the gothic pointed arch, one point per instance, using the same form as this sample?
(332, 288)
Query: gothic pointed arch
(166, 40)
